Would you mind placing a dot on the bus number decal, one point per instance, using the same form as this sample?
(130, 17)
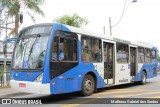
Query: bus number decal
(122, 68)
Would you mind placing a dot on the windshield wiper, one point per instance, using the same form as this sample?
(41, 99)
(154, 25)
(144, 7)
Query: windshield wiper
(30, 51)
(40, 34)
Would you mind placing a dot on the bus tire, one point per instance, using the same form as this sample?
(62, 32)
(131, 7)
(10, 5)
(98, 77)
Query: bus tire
(88, 85)
(144, 77)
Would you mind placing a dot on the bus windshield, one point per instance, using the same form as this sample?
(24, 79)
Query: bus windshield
(30, 49)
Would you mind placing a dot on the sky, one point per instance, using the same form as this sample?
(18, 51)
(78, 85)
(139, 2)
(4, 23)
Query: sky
(140, 22)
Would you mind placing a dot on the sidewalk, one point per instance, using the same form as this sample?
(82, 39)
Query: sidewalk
(6, 91)
(11, 93)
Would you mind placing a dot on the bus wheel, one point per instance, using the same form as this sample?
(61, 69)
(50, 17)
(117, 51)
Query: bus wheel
(88, 85)
(144, 77)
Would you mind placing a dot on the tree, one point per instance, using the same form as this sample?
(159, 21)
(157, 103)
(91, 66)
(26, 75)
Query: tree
(13, 8)
(73, 20)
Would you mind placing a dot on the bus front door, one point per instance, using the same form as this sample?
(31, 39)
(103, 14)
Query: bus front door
(108, 62)
(133, 62)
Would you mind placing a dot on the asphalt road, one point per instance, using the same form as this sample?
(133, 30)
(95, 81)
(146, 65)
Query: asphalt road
(102, 97)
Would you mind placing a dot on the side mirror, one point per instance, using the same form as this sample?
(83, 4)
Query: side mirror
(7, 40)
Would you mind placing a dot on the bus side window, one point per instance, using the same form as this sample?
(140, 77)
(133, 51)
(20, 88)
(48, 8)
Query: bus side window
(70, 49)
(140, 55)
(153, 54)
(122, 53)
(67, 45)
(75, 50)
(91, 48)
(86, 46)
(147, 56)
(85, 54)
(97, 50)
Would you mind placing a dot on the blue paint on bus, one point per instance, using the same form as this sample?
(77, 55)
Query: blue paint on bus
(29, 76)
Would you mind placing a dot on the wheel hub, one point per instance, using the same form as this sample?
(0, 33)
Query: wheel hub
(88, 85)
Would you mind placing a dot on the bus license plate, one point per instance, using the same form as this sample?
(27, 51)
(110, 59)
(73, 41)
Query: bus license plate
(22, 85)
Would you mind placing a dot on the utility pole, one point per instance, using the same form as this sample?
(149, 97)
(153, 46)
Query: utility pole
(104, 30)
(5, 78)
(124, 10)
(110, 26)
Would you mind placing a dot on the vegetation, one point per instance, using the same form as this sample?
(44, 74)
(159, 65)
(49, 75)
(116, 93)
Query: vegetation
(4, 87)
(73, 20)
(14, 7)
(1, 70)
(2, 84)
(158, 58)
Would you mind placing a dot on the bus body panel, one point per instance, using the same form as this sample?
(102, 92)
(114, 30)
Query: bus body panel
(122, 73)
(149, 68)
(25, 75)
(99, 69)
(30, 87)
(62, 83)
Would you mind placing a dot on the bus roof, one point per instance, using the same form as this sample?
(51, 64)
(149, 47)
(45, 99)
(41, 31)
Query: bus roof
(85, 32)
(97, 35)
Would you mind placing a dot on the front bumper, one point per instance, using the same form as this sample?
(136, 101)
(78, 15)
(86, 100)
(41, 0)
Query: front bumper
(30, 87)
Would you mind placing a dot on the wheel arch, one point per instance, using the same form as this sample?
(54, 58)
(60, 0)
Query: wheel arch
(95, 79)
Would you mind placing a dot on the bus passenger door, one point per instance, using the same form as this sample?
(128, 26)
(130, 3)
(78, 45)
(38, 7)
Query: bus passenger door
(133, 62)
(108, 62)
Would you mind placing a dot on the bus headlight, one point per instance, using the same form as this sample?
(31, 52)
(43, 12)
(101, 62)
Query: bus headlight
(39, 78)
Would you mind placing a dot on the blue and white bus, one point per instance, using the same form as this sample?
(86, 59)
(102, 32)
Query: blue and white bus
(89, 60)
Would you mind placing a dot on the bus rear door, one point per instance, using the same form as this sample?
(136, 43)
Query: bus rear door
(133, 62)
(108, 50)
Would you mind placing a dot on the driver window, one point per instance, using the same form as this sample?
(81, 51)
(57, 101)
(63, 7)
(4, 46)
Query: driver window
(64, 47)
